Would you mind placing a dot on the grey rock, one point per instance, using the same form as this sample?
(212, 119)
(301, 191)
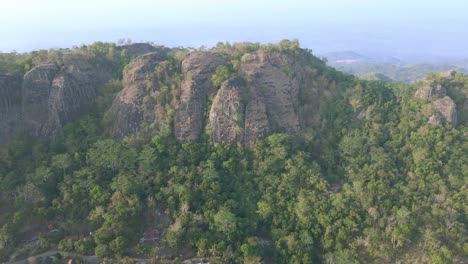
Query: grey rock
(428, 92)
(127, 110)
(53, 97)
(227, 112)
(36, 91)
(447, 108)
(274, 93)
(197, 69)
(448, 74)
(10, 107)
(434, 120)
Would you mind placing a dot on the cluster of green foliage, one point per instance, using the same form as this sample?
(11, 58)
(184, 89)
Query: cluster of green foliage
(385, 188)
(19, 63)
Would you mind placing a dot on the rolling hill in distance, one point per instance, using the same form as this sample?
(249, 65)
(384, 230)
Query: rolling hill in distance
(390, 68)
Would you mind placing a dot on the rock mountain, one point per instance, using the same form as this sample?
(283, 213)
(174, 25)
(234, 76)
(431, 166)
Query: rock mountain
(256, 93)
(260, 97)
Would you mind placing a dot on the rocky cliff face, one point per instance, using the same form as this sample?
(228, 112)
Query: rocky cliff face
(53, 96)
(444, 107)
(273, 96)
(447, 108)
(427, 92)
(197, 69)
(261, 98)
(10, 106)
(267, 91)
(245, 112)
(36, 91)
(227, 114)
(128, 109)
(135, 109)
(50, 96)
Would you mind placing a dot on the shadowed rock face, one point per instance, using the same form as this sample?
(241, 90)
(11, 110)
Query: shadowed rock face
(197, 69)
(53, 96)
(128, 107)
(36, 90)
(227, 112)
(447, 108)
(10, 106)
(10, 92)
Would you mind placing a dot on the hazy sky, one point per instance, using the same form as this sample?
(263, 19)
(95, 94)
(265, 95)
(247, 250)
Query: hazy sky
(397, 27)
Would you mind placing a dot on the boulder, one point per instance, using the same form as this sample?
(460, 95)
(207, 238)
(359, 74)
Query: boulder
(447, 108)
(434, 120)
(428, 92)
(448, 74)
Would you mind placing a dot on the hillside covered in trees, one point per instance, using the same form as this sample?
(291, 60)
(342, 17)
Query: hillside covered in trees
(241, 153)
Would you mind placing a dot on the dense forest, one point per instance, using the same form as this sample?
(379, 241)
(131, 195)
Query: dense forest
(370, 180)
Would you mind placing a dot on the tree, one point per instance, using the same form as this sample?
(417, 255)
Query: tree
(221, 74)
(62, 161)
(109, 154)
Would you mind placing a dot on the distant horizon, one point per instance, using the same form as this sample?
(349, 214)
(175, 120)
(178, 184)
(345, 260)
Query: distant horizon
(416, 31)
(409, 57)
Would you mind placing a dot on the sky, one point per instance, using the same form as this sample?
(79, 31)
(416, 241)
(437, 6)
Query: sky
(400, 28)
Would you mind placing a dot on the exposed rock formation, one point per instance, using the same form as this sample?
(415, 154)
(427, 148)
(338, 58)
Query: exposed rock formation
(362, 114)
(54, 96)
(36, 92)
(10, 92)
(448, 74)
(261, 100)
(128, 108)
(427, 92)
(274, 95)
(197, 69)
(10, 106)
(227, 112)
(447, 108)
(434, 120)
